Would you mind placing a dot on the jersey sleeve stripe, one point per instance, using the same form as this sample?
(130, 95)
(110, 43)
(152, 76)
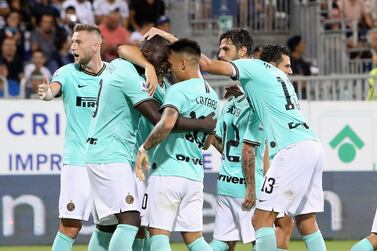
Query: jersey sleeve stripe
(237, 77)
(217, 136)
(169, 105)
(142, 101)
(251, 142)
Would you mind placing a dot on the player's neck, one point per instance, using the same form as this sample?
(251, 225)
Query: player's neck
(192, 73)
(94, 66)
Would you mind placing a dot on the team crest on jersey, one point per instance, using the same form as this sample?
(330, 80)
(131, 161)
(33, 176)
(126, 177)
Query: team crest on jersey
(129, 199)
(71, 206)
(143, 86)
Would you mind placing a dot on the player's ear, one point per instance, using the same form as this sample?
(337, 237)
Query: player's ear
(242, 52)
(183, 66)
(273, 63)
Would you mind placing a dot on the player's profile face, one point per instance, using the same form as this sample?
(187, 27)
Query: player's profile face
(228, 51)
(82, 47)
(285, 65)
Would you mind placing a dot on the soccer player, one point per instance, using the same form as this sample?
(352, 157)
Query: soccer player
(235, 194)
(293, 182)
(369, 243)
(78, 83)
(121, 98)
(175, 188)
(154, 51)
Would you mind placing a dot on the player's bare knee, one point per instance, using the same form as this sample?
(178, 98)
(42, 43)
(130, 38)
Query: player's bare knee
(288, 227)
(306, 223)
(129, 217)
(189, 237)
(70, 227)
(263, 218)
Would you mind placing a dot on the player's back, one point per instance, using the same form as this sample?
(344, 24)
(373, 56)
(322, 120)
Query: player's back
(231, 127)
(112, 133)
(79, 90)
(275, 101)
(180, 154)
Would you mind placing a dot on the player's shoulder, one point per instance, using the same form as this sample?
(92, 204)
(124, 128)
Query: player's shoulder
(65, 69)
(120, 63)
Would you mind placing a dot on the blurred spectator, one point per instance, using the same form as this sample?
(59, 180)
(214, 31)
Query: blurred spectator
(4, 10)
(69, 19)
(23, 8)
(43, 36)
(36, 78)
(38, 61)
(163, 23)
(62, 55)
(356, 11)
(334, 14)
(257, 51)
(299, 66)
(12, 30)
(371, 5)
(114, 34)
(84, 10)
(104, 7)
(297, 47)
(9, 58)
(137, 36)
(42, 7)
(145, 10)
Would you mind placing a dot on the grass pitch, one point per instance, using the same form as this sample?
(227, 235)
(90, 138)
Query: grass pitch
(294, 246)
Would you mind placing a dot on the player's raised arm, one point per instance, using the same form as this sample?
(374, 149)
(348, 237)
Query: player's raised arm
(216, 67)
(135, 56)
(47, 91)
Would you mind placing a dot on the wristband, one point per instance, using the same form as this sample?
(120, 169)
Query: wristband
(142, 149)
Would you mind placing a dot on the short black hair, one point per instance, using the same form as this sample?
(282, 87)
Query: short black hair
(240, 38)
(187, 46)
(293, 41)
(156, 51)
(274, 53)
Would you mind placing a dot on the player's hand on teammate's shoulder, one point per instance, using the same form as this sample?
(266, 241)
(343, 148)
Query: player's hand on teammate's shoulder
(154, 31)
(233, 90)
(151, 79)
(250, 198)
(142, 163)
(44, 91)
(209, 122)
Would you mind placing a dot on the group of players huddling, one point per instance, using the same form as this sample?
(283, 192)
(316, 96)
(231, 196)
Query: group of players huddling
(134, 159)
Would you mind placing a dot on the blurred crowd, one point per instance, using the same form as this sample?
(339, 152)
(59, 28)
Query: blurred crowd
(35, 34)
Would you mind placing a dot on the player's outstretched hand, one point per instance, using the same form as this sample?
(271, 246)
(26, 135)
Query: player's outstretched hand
(151, 79)
(154, 31)
(209, 122)
(249, 200)
(44, 91)
(142, 163)
(232, 90)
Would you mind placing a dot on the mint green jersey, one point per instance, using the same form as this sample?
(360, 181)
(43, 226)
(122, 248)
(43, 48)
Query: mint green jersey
(255, 135)
(79, 89)
(145, 127)
(180, 154)
(112, 133)
(275, 102)
(231, 127)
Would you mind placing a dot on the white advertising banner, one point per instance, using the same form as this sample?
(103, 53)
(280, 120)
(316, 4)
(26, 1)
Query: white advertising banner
(32, 136)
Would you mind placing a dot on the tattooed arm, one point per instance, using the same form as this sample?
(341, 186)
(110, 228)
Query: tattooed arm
(162, 128)
(248, 168)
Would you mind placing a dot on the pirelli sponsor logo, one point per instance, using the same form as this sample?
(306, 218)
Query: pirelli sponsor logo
(86, 102)
(230, 179)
